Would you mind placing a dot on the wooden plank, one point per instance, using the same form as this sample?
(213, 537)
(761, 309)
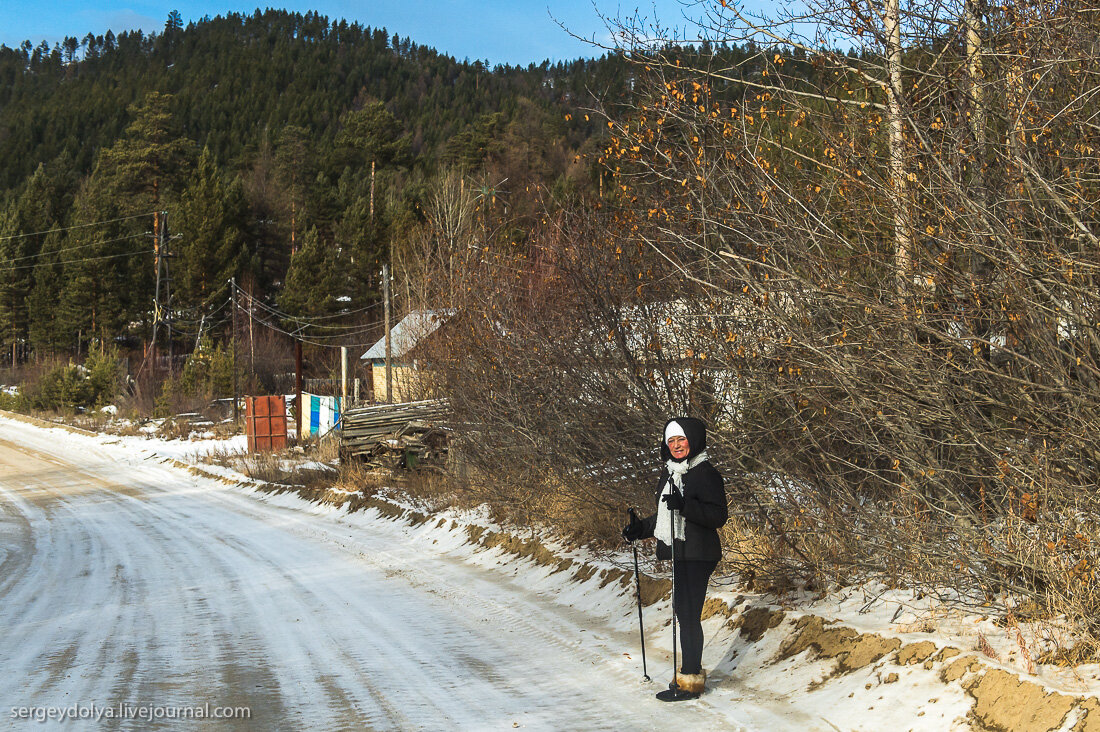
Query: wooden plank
(366, 430)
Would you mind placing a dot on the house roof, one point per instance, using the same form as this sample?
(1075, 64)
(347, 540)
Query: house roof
(404, 336)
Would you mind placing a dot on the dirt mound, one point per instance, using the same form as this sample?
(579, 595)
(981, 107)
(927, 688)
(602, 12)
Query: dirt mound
(851, 649)
(1004, 702)
(757, 621)
(916, 653)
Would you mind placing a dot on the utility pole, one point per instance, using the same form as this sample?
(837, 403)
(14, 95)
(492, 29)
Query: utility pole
(343, 378)
(156, 292)
(251, 343)
(386, 310)
(165, 256)
(298, 389)
(233, 361)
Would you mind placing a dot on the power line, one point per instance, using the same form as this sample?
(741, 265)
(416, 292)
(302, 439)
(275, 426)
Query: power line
(303, 323)
(298, 337)
(210, 313)
(78, 261)
(206, 327)
(76, 226)
(71, 249)
(307, 321)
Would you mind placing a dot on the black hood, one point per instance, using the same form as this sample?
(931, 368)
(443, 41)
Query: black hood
(696, 432)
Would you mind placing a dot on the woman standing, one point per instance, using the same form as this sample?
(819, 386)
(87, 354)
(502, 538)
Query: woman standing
(691, 507)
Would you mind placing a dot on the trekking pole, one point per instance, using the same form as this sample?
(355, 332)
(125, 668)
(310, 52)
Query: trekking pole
(674, 693)
(638, 588)
(672, 521)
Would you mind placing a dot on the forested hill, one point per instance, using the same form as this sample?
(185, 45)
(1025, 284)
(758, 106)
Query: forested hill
(289, 151)
(239, 77)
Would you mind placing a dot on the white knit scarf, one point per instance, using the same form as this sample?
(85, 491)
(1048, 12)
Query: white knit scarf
(664, 527)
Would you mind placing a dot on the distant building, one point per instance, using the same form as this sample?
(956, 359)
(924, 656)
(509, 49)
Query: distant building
(407, 369)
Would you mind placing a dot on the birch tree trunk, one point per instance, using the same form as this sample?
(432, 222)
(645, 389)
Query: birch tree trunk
(903, 229)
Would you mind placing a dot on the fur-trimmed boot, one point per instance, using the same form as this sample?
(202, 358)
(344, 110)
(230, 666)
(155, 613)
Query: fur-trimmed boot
(692, 683)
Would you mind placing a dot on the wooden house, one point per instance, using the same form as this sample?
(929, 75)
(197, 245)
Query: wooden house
(407, 369)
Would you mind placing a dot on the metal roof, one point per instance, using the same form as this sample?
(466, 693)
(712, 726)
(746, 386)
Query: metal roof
(404, 336)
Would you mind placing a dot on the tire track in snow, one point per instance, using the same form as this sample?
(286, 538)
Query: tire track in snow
(545, 631)
(434, 697)
(180, 591)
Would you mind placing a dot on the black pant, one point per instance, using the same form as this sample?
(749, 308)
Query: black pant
(691, 592)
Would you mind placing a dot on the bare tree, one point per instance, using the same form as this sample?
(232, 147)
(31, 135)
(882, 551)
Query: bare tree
(872, 271)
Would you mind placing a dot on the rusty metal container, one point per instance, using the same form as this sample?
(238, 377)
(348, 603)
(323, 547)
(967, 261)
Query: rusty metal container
(265, 423)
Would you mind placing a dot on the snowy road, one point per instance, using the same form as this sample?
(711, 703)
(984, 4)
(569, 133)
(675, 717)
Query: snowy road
(128, 583)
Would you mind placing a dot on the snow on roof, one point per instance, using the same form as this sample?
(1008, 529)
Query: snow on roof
(412, 329)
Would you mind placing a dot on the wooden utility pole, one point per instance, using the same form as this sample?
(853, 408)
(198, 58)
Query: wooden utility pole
(251, 343)
(343, 378)
(233, 340)
(298, 389)
(386, 310)
(156, 292)
(165, 256)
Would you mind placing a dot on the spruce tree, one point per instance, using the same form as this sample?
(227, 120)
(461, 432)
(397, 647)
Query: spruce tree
(209, 221)
(23, 227)
(313, 282)
(98, 263)
(16, 279)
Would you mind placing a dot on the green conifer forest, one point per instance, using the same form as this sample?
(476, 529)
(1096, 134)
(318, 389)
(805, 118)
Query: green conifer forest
(288, 152)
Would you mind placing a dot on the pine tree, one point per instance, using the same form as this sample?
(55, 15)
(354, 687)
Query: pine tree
(174, 24)
(144, 165)
(269, 254)
(372, 135)
(294, 163)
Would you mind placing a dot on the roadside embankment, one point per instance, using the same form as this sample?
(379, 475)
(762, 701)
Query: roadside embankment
(758, 648)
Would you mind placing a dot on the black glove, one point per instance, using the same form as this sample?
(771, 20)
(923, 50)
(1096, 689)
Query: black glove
(673, 500)
(633, 530)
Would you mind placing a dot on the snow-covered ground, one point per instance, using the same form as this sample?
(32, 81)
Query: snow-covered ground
(130, 586)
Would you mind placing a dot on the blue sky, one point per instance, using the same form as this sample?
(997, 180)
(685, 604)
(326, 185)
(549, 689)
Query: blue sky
(502, 31)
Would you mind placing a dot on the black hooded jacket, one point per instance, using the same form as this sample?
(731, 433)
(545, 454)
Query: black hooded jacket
(705, 509)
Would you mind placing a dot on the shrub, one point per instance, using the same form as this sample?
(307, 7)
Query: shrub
(105, 376)
(207, 375)
(13, 401)
(68, 387)
(65, 387)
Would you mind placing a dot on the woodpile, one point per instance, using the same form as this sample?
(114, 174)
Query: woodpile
(408, 434)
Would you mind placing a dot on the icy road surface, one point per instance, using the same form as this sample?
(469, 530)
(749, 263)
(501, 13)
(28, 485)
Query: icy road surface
(124, 580)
